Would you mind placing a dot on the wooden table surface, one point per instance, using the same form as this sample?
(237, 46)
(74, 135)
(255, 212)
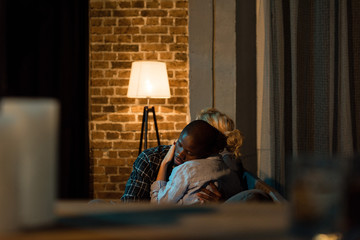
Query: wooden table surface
(80, 220)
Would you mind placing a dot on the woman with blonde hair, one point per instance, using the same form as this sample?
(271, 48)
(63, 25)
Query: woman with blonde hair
(234, 137)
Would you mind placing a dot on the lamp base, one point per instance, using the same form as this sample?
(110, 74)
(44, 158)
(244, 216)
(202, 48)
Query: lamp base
(144, 127)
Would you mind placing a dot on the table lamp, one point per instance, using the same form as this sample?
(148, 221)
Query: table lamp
(148, 79)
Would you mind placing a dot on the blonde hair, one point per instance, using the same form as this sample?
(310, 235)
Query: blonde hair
(224, 124)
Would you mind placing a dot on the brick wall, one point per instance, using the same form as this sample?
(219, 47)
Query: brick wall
(122, 32)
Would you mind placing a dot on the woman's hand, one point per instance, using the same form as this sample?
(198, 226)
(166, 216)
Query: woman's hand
(169, 156)
(210, 196)
(165, 163)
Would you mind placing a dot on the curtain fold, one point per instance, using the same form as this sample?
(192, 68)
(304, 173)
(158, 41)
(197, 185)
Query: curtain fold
(313, 81)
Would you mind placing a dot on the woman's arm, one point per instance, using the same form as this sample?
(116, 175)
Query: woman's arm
(165, 163)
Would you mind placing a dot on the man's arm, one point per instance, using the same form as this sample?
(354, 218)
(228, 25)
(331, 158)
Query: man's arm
(138, 186)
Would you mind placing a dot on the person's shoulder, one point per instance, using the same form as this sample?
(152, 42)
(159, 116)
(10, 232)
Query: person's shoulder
(159, 150)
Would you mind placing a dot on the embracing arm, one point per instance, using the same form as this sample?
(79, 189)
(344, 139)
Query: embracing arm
(137, 187)
(173, 190)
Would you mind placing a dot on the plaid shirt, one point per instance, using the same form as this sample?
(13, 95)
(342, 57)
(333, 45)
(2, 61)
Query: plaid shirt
(144, 173)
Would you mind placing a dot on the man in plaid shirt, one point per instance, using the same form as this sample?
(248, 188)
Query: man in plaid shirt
(144, 173)
(146, 168)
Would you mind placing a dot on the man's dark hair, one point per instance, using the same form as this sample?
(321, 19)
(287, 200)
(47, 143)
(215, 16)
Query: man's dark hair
(206, 136)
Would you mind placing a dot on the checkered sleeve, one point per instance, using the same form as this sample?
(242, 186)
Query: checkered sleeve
(143, 174)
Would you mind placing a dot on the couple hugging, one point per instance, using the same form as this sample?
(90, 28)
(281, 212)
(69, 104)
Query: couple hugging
(200, 166)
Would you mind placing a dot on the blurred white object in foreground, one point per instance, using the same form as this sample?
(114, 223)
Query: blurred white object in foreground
(36, 129)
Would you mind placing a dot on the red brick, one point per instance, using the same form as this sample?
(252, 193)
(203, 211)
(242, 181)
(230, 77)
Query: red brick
(138, 39)
(100, 64)
(167, 21)
(109, 126)
(167, 4)
(178, 13)
(178, 83)
(137, 4)
(97, 56)
(127, 136)
(178, 47)
(181, 4)
(120, 178)
(96, 153)
(96, 5)
(124, 4)
(154, 4)
(97, 135)
(96, 22)
(95, 91)
(122, 109)
(100, 13)
(121, 118)
(167, 39)
(151, 56)
(181, 22)
(178, 30)
(138, 21)
(126, 13)
(182, 39)
(124, 22)
(176, 118)
(121, 91)
(99, 100)
(111, 162)
(152, 21)
(124, 38)
(154, 29)
(125, 145)
(166, 56)
(99, 82)
(98, 170)
(181, 56)
(110, 39)
(98, 117)
(123, 56)
(178, 100)
(101, 145)
(138, 57)
(95, 109)
(122, 100)
(124, 154)
(112, 154)
(153, 47)
(110, 22)
(101, 47)
(100, 178)
(154, 13)
(116, 82)
(126, 30)
(132, 127)
(120, 65)
(110, 5)
(125, 48)
(110, 186)
(152, 39)
(180, 126)
(108, 109)
(110, 73)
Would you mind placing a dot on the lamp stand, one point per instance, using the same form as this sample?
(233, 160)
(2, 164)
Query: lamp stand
(145, 125)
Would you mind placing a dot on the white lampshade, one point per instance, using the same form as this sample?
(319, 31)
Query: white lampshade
(148, 79)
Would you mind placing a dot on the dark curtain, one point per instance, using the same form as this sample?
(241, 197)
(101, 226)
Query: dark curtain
(314, 52)
(44, 53)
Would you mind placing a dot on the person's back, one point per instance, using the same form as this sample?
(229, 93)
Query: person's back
(189, 178)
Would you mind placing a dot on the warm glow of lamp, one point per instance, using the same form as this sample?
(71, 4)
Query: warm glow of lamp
(148, 79)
